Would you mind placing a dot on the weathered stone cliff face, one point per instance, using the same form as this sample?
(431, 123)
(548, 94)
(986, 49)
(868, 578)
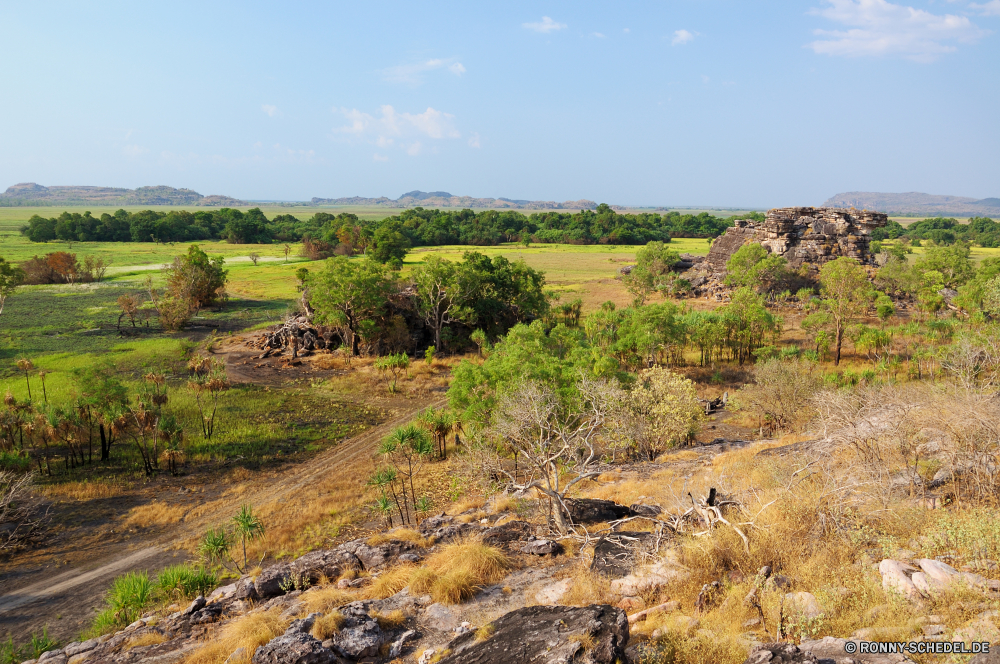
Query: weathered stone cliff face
(802, 235)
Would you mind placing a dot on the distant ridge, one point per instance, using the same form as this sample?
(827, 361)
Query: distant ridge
(31, 194)
(444, 199)
(917, 204)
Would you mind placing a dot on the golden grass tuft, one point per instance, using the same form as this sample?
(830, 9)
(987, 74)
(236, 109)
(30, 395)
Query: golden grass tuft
(390, 620)
(86, 490)
(588, 588)
(401, 534)
(390, 582)
(147, 639)
(328, 625)
(154, 514)
(586, 641)
(484, 633)
(326, 598)
(247, 632)
(457, 570)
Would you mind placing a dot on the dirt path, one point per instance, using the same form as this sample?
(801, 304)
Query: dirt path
(66, 603)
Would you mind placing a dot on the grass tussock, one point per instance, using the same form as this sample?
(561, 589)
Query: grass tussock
(451, 575)
(325, 599)
(147, 639)
(401, 534)
(87, 490)
(588, 588)
(390, 582)
(328, 625)
(153, 514)
(247, 632)
(390, 620)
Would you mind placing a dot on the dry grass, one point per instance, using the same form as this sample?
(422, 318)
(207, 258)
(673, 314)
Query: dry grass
(247, 632)
(390, 582)
(327, 626)
(87, 490)
(586, 641)
(153, 514)
(588, 588)
(451, 575)
(390, 620)
(147, 639)
(325, 599)
(401, 534)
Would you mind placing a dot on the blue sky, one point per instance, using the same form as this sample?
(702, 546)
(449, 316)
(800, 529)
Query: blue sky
(696, 102)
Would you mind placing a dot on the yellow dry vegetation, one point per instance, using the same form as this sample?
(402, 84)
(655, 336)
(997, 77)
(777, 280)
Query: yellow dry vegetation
(147, 639)
(248, 632)
(451, 575)
(401, 534)
(326, 598)
(328, 625)
(154, 514)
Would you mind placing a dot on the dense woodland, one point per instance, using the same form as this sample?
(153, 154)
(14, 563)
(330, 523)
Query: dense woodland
(981, 231)
(346, 234)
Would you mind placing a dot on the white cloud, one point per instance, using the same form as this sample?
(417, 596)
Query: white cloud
(270, 110)
(401, 130)
(598, 35)
(991, 8)
(878, 27)
(413, 73)
(546, 25)
(474, 140)
(134, 150)
(681, 37)
(378, 157)
(625, 29)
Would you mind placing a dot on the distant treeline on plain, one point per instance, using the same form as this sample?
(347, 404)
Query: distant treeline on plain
(943, 230)
(419, 227)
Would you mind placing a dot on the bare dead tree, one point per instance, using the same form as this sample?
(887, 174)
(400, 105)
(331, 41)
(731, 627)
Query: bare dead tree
(559, 443)
(23, 514)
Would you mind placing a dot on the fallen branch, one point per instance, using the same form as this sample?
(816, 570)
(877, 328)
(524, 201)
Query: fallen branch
(640, 616)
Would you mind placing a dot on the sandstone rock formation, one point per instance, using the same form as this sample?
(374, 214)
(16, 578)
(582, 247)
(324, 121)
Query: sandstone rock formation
(802, 235)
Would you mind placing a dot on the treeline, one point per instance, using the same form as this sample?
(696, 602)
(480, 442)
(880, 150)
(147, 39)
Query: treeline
(346, 234)
(982, 231)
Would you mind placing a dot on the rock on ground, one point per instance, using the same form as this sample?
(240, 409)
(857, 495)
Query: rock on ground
(553, 634)
(591, 510)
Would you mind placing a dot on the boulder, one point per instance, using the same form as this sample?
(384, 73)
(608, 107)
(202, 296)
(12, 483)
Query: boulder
(440, 617)
(615, 555)
(896, 576)
(992, 657)
(293, 647)
(779, 653)
(650, 511)
(360, 636)
(503, 535)
(546, 634)
(275, 580)
(325, 562)
(542, 547)
(380, 555)
(245, 590)
(591, 510)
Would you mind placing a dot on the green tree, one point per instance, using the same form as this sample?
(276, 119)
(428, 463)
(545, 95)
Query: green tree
(350, 294)
(847, 294)
(748, 324)
(11, 277)
(196, 278)
(754, 266)
(406, 448)
(389, 243)
(443, 293)
(954, 262)
(652, 271)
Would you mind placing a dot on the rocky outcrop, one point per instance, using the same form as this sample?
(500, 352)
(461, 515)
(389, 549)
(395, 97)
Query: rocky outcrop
(802, 235)
(596, 634)
(591, 510)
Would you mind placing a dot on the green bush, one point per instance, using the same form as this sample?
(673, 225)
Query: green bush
(128, 596)
(184, 582)
(15, 462)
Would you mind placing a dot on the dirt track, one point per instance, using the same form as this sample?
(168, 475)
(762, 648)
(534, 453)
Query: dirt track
(66, 603)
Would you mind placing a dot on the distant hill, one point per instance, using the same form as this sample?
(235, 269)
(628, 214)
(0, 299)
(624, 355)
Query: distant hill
(446, 200)
(917, 204)
(31, 194)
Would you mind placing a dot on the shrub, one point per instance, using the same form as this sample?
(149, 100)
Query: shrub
(780, 392)
(129, 595)
(185, 582)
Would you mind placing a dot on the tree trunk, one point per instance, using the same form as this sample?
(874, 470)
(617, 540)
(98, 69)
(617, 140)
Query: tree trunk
(840, 340)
